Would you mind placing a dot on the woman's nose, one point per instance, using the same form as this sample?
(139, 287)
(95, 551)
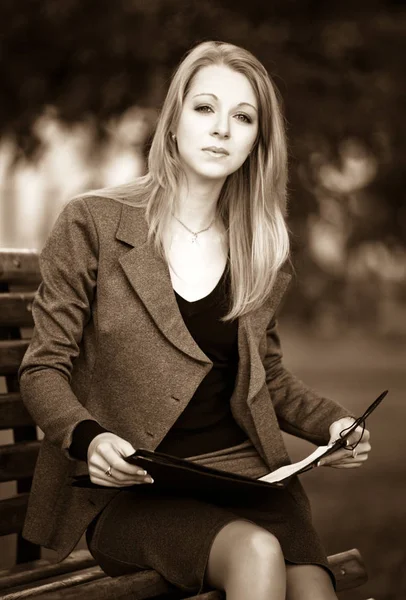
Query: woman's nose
(221, 127)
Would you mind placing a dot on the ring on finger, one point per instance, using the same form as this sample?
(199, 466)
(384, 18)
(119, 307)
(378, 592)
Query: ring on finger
(108, 472)
(354, 453)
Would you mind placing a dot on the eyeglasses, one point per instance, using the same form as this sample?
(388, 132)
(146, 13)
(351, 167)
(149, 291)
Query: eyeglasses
(345, 433)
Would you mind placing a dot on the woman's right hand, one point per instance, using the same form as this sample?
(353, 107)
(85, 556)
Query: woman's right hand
(107, 450)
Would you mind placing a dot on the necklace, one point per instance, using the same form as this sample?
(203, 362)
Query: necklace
(194, 233)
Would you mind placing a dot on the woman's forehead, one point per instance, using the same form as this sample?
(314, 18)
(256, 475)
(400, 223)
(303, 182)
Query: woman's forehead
(223, 83)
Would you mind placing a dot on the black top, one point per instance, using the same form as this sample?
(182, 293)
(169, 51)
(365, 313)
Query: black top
(206, 424)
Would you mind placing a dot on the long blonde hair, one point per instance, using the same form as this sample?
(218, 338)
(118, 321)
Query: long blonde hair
(252, 202)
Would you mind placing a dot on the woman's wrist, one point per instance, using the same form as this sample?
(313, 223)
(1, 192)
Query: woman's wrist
(82, 436)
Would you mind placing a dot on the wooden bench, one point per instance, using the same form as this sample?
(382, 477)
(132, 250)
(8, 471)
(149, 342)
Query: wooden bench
(78, 576)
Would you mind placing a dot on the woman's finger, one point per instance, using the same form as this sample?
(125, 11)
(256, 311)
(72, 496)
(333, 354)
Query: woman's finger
(111, 482)
(99, 464)
(351, 465)
(113, 456)
(111, 477)
(112, 468)
(109, 450)
(124, 480)
(349, 461)
(337, 456)
(351, 458)
(118, 476)
(358, 433)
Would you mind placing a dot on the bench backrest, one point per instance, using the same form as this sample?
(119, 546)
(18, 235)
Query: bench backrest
(19, 279)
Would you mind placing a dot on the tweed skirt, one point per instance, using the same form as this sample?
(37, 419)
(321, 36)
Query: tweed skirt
(173, 535)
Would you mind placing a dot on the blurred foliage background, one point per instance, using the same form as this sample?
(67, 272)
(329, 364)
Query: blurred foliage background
(82, 83)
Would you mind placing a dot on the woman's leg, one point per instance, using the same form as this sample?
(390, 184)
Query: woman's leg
(308, 582)
(246, 561)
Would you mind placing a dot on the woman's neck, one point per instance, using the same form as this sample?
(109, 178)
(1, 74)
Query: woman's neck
(196, 204)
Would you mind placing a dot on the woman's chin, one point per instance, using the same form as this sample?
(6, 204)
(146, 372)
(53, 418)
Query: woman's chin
(212, 174)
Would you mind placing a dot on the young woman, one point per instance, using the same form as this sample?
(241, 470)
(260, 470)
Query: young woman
(155, 328)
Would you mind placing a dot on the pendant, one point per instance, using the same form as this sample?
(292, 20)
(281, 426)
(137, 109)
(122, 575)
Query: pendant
(194, 238)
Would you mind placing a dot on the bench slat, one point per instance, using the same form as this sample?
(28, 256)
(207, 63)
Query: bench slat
(12, 514)
(43, 589)
(13, 412)
(19, 266)
(11, 354)
(43, 568)
(145, 584)
(17, 461)
(15, 309)
(138, 586)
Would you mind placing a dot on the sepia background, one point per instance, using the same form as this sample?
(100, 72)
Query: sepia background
(82, 83)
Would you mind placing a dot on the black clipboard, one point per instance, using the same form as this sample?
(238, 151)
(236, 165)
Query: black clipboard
(182, 477)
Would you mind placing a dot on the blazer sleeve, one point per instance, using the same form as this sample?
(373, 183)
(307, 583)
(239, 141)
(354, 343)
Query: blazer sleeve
(61, 310)
(299, 409)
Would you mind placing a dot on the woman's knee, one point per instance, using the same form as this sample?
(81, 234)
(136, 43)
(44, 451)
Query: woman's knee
(240, 547)
(260, 545)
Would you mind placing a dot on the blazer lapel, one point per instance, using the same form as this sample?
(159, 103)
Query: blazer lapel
(149, 276)
(254, 325)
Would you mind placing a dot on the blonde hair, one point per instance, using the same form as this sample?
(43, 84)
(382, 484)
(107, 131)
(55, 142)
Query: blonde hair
(252, 202)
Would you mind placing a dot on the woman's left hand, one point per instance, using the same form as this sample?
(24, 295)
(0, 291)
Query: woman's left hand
(345, 458)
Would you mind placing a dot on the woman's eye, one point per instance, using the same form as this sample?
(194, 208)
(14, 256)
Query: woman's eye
(244, 118)
(203, 108)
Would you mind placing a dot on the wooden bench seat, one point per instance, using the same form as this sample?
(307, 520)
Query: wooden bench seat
(77, 576)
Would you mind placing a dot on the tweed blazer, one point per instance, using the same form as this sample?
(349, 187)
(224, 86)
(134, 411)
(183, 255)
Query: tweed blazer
(110, 344)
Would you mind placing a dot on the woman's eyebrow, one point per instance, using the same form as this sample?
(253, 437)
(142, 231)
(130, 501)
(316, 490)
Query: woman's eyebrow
(216, 98)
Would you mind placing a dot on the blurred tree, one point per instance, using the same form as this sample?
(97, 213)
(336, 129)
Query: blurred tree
(338, 65)
(97, 58)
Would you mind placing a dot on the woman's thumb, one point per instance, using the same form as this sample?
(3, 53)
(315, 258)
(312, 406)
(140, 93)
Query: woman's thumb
(123, 448)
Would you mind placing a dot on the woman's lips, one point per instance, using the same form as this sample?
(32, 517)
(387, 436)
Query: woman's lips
(215, 151)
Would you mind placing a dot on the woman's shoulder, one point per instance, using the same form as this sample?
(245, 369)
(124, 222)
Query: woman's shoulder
(103, 203)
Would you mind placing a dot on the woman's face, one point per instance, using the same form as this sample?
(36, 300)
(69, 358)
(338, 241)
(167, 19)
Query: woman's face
(218, 124)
